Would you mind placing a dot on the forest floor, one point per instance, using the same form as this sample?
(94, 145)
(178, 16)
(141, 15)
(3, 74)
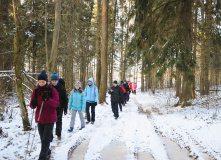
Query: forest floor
(148, 128)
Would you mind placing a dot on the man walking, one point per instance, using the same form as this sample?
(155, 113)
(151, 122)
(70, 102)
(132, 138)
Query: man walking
(58, 84)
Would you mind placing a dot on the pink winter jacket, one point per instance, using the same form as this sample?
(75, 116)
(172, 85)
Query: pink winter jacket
(49, 113)
(134, 87)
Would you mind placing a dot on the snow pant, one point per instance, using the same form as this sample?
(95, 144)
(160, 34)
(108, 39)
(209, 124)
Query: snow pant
(120, 106)
(59, 121)
(125, 98)
(114, 106)
(46, 135)
(73, 116)
(135, 92)
(92, 117)
(128, 96)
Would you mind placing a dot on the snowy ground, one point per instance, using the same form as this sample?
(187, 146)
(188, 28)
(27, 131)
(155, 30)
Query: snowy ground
(196, 128)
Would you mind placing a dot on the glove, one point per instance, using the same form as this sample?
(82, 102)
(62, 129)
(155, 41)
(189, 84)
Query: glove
(95, 103)
(45, 96)
(34, 103)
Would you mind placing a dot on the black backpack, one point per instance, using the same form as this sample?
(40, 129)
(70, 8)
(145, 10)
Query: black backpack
(62, 82)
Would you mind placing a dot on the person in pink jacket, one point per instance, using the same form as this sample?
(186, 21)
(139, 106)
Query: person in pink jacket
(47, 97)
(135, 88)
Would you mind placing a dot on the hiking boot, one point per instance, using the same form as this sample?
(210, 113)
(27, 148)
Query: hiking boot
(87, 122)
(70, 130)
(81, 128)
(92, 122)
(59, 138)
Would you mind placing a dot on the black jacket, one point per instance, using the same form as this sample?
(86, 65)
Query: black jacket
(126, 87)
(63, 98)
(116, 94)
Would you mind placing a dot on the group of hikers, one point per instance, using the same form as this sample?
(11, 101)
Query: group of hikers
(52, 102)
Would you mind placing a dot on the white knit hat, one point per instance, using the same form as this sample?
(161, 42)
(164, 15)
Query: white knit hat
(77, 83)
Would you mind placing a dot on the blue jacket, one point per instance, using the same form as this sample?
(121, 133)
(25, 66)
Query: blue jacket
(91, 92)
(77, 101)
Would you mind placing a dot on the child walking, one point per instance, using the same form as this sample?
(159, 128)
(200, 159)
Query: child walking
(77, 103)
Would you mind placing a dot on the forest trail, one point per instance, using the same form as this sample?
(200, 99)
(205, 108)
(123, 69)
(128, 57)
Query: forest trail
(132, 136)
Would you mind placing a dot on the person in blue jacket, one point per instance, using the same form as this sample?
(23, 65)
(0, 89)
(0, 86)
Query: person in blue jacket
(77, 103)
(91, 94)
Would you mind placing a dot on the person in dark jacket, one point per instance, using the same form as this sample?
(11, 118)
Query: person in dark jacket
(47, 98)
(63, 102)
(115, 93)
(121, 99)
(127, 88)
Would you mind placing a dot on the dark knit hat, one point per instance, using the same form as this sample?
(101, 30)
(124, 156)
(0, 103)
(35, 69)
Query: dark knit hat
(43, 76)
(115, 82)
(54, 77)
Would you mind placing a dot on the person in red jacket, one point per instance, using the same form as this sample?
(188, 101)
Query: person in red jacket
(131, 88)
(47, 97)
(121, 100)
(135, 88)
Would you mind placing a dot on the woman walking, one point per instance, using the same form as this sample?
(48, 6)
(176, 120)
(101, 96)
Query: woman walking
(77, 103)
(46, 99)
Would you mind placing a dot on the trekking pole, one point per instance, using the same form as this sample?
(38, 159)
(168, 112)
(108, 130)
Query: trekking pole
(36, 126)
(29, 133)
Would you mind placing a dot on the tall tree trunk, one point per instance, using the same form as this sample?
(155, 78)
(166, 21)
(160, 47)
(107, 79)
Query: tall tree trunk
(19, 64)
(112, 44)
(178, 83)
(195, 26)
(104, 46)
(208, 43)
(46, 37)
(54, 47)
(202, 56)
(98, 44)
(187, 79)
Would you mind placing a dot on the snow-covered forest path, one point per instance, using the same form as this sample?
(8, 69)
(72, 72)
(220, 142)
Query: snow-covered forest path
(132, 136)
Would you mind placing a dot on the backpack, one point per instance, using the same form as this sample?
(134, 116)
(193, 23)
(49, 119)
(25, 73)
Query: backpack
(62, 82)
(49, 92)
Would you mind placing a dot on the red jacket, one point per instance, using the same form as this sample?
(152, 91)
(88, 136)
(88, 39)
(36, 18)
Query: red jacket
(131, 87)
(122, 88)
(48, 113)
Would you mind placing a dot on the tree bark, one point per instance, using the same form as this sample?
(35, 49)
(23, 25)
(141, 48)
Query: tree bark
(104, 46)
(19, 64)
(54, 52)
(98, 44)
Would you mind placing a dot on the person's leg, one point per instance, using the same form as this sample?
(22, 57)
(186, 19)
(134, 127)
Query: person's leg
(59, 121)
(41, 130)
(116, 109)
(120, 105)
(82, 119)
(135, 92)
(93, 112)
(124, 99)
(88, 112)
(45, 151)
(73, 115)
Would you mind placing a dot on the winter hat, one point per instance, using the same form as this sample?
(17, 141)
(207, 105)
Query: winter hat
(43, 76)
(54, 77)
(125, 80)
(115, 82)
(128, 80)
(118, 82)
(77, 84)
